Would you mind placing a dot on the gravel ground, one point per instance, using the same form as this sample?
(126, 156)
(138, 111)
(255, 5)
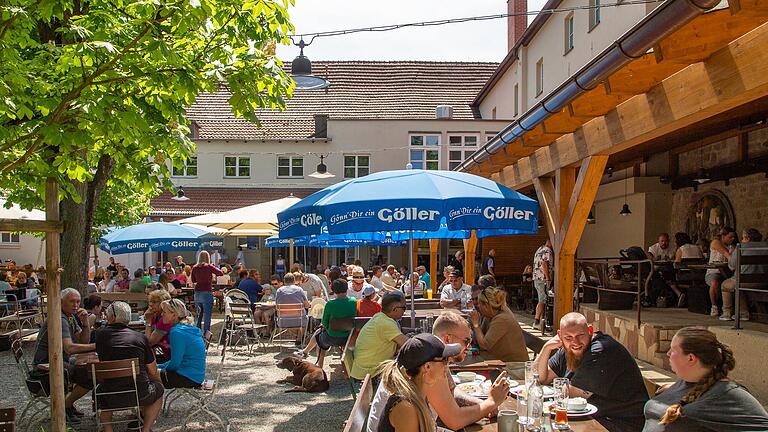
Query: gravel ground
(248, 396)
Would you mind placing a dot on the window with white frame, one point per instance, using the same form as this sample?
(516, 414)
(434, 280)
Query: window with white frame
(425, 151)
(187, 169)
(489, 136)
(356, 166)
(290, 166)
(594, 13)
(568, 34)
(237, 166)
(460, 147)
(540, 76)
(9, 239)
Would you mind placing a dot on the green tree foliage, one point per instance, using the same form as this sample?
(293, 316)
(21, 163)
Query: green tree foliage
(93, 93)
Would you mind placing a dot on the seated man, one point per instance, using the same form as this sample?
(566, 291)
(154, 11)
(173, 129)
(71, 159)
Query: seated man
(457, 294)
(601, 370)
(290, 293)
(251, 285)
(357, 284)
(118, 342)
(75, 339)
(661, 250)
(340, 307)
(380, 338)
(454, 408)
(749, 238)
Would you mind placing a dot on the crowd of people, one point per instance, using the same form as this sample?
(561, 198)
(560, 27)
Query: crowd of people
(414, 388)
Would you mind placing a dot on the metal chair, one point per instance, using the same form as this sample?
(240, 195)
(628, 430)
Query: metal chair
(241, 322)
(289, 317)
(104, 371)
(18, 316)
(202, 396)
(36, 389)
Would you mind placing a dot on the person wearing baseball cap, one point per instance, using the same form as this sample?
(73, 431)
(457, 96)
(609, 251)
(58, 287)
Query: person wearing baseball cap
(421, 362)
(369, 305)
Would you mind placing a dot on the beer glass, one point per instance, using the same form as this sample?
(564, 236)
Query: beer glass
(560, 386)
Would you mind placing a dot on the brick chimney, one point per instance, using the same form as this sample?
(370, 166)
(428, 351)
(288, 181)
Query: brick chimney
(516, 24)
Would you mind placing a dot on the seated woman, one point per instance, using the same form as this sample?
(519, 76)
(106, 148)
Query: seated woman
(163, 283)
(370, 304)
(703, 398)
(186, 368)
(503, 340)
(414, 285)
(421, 362)
(155, 328)
(339, 308)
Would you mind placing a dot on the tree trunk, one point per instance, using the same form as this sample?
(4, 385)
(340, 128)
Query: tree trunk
(78, 227)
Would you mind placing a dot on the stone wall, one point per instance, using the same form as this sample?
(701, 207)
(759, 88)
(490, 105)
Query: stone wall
(748, 195)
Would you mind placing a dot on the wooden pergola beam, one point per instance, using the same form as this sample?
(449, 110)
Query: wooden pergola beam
(53, 288)
(22, 225)
(731, 77)
(545, 192)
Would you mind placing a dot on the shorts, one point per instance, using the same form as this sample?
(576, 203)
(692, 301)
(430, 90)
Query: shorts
(541, 290)
(151, 394)
(172, 379)
(326, 341)
(80, 376)
(710, 277)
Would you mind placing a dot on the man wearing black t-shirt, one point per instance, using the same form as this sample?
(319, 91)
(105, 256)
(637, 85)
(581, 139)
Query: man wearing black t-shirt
(118, 342)
(601, 370)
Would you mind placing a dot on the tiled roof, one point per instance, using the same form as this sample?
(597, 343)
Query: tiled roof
(358, 90)
(205, 200)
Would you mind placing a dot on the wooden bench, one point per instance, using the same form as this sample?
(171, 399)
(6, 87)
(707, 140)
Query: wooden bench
(359, 415)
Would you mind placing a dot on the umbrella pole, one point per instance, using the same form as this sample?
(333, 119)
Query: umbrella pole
(413, 288)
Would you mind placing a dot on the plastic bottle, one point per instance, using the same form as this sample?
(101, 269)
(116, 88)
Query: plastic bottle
(537, 420)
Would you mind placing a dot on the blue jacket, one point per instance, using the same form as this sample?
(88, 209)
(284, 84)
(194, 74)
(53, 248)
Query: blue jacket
(187, 353)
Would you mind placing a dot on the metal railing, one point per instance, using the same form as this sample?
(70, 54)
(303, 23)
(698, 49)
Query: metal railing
(760, 258)
(597, 274)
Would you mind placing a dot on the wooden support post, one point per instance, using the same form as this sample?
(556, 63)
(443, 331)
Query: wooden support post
(434, 247)
(566, 204)
(545, 191)
(325, 258)
(415, 255)
(53, 287)
(470, 245)
(291, 255)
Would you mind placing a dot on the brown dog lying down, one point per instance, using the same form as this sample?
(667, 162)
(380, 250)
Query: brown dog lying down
(307, 377)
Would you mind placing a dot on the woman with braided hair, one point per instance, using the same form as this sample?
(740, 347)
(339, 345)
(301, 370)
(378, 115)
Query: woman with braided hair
(703, 398)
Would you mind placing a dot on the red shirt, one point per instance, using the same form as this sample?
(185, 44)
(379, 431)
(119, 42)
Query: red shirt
(367, 308)
(202, 275)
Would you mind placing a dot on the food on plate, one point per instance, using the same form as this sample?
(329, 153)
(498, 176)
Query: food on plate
(466, 376)
(577, 404)
(471, 388)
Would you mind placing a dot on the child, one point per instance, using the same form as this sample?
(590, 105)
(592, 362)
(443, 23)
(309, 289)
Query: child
(368, 306)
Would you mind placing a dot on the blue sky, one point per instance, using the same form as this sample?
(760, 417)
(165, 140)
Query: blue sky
(475, 41)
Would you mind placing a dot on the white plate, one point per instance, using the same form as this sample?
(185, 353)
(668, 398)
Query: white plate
(548, 391)
(586, 412)
(472, 388)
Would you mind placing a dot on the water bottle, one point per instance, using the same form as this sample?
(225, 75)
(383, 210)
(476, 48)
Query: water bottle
(537, 420)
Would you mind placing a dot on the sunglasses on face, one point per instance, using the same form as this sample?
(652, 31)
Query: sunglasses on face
(358, 277)
(274, 284)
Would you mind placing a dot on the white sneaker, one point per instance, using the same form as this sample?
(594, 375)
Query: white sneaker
(725, 317)
(714, 312)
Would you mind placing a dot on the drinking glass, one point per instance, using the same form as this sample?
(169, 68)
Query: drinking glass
(560, 386)
(507, 421)
(528, 374)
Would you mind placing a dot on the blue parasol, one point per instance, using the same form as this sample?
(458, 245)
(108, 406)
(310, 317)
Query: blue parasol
(158, 236)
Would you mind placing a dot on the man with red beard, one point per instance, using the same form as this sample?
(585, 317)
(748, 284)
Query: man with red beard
(601, 370)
